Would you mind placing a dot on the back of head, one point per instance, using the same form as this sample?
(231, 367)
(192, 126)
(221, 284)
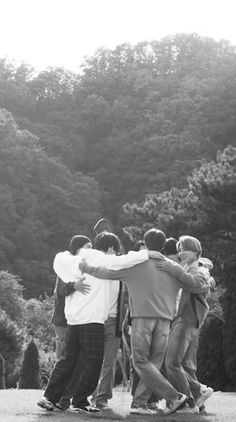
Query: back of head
(106, 240)
(155, 240)
(190, 243)
(77, 242)
(170, 247)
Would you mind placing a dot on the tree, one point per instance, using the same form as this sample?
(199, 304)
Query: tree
(11, 339)
(2, 373)
(43, 205)
(11, 297)
(30, 375)
(211, 365)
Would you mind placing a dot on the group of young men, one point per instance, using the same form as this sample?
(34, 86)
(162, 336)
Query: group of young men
(168, 283)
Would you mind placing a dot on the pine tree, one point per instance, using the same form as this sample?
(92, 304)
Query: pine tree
(30, 376)
(2, 373)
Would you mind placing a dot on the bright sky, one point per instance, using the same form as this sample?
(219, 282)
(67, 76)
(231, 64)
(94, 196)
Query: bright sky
(61, 32)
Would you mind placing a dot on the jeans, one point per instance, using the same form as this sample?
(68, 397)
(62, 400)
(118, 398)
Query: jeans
(111, 346)
(181, 358)
(149, 341)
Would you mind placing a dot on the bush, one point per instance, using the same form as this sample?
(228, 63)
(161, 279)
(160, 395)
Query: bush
(211, 369)
(30, 376)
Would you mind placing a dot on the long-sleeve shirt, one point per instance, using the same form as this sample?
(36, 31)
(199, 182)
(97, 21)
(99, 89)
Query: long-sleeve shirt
(153, 291)
(94, 306)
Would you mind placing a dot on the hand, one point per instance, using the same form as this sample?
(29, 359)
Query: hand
(156, 255)
(82, 265)
(82, 287)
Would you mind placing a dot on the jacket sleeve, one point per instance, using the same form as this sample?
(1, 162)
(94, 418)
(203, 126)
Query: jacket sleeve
(113, 262)
(64, 289)
(105, 273)
(196, 282)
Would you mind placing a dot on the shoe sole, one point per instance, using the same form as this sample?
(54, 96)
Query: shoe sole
(83, 412)
(153, 412)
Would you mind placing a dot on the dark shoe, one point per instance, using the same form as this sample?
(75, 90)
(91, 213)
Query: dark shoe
(83, 409)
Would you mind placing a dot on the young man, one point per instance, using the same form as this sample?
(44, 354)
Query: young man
(112, 331)
(85, 315)
(152, 304)
(192, 309)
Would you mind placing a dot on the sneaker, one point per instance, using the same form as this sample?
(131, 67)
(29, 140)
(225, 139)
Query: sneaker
(175, 405)
(205, 394)
(187, 409)
(83, 409)
(142, 410)
(48, 405)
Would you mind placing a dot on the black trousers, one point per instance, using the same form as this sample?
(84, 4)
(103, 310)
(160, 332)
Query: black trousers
(84, 347)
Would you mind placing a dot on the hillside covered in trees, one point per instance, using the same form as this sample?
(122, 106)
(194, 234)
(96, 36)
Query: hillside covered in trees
(135, 120)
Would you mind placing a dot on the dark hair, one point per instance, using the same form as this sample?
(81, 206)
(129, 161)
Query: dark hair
(170, 246)
(155, 240)
(106, 240)
(77, 242)
(138, 245)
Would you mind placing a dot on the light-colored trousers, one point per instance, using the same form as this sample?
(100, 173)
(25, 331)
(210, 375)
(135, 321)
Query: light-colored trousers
(111, 345)
(149, 341)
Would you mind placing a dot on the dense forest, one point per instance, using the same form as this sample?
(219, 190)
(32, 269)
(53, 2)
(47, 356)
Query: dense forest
(144, 135)
(136, 120)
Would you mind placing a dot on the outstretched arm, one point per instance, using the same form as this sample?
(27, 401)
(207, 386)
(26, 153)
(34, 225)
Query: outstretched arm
(195, 282)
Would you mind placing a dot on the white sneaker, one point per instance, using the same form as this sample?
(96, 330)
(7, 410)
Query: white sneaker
(186, 409)
(142, 410)
(175, 405)
(204, 395)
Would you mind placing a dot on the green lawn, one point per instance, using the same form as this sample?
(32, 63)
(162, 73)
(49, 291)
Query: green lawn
(21, 406)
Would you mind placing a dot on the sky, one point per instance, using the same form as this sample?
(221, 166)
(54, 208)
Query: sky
(46, 33)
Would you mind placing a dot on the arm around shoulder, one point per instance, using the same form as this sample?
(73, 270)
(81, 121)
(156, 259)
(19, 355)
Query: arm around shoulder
(191, 282)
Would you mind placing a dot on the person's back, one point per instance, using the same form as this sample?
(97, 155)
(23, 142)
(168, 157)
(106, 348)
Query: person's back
(152, 291)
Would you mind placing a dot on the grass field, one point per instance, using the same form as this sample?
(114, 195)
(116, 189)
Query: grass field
(21, 406)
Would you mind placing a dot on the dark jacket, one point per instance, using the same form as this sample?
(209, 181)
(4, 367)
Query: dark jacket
(60, 292)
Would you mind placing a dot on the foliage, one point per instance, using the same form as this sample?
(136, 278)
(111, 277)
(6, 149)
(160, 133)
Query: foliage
(47, 363)
(43, 205)
(11, 297)
(11, 340)
(38, 322)
(30, 375)
(211, 368)
(2, 373)
(139, 118)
